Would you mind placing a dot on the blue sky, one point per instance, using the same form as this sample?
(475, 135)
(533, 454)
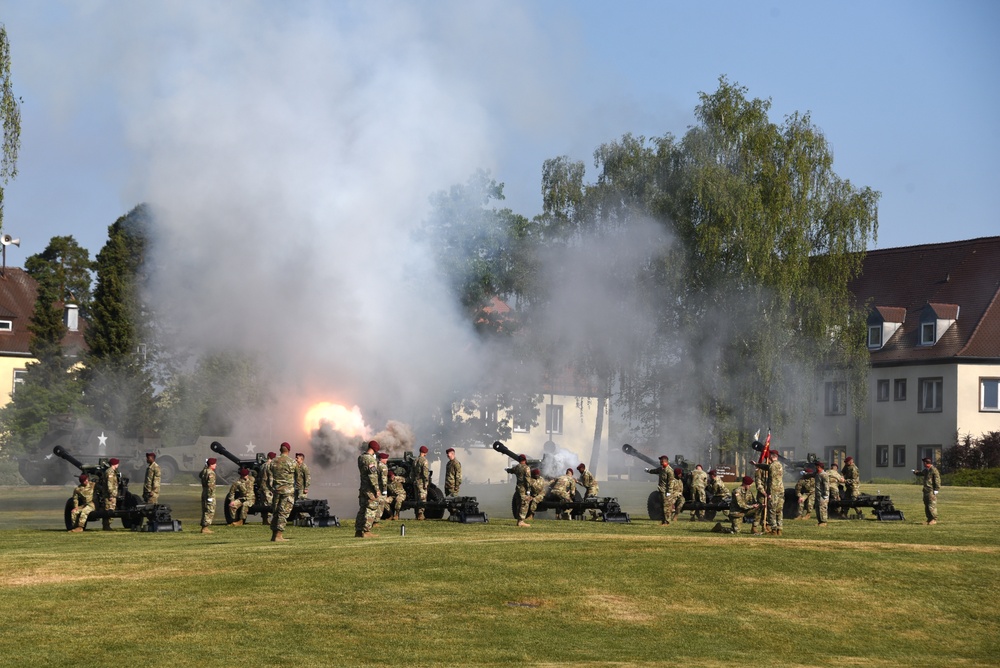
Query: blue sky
(906, 93)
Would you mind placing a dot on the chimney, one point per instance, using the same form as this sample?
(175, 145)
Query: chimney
(72, 317)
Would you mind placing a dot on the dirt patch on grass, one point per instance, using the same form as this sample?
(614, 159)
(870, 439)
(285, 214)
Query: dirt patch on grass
(50, 576)
(617, 608)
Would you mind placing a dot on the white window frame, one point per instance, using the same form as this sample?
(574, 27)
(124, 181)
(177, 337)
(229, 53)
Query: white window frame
(18, 379)
(899, 455)
(6, 325)
(899, 389)
(875, 336)
(930, 395)
(927, 333)
(882, 390)
(881, 455)
(994, 395)
(553, 418)
(835, 400)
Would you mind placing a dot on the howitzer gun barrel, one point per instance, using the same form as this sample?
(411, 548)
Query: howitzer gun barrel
(221, 449)
(503, 449)
(629, 450)
(60, 452)
(759, 447)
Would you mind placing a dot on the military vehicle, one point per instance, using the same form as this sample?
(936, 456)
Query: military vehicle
(129, 507)
(654, 503)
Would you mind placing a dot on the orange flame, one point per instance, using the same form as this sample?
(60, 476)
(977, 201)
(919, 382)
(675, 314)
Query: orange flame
(347, 421)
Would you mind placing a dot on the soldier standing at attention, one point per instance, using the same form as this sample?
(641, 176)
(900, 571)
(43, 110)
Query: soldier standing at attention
(742, 503)
(536, 488)
(382, 469)
(151, 487)
(932, 485)
(522, 475)
(302, 478)
(666, 475)
(775, 492)
(396, 495)
(109, 483)
(283, 477)
(421, 479)
(368, 493)
(264, 488)
(589, 484)
(821, 490)
(677, 493)
(207, 476)
(83, 503)
(760, 487)
(452, 474)
(699, 480)
(852, 482)
(240, 498)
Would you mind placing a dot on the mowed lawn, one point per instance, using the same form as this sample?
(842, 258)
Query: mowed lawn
(856, 593)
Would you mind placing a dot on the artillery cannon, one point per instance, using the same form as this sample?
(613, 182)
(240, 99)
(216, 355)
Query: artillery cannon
(129, 507)
(305, 512)
(464, 509)
(654, 504)
(610, 508)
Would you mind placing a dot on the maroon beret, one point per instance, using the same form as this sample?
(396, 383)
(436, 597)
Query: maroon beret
(522, 458)
(373, 446)
(244, 473)
(581, 467)
(423, 449)
(536, 472)
(449, 450)
(678, 472)
(712, 472)
(84, 478)
(299, 454)
(747, 480)
(271, 455)
(391, 475)
(664, 458)
(151, 454)
(284, 447)
(211, 460)
(113, 461)
(820, 465)
(383, 455)
(848, 460)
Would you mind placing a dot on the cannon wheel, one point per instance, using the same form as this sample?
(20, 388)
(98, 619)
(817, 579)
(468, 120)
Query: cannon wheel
(577, 498)
(434, 496)
(67, 514)
(514, 502)
(131, 501)
(791, 508)
(230, 518)
(168, 470)
(654, 506)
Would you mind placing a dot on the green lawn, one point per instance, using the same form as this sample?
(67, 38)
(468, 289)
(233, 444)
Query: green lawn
(857, 593)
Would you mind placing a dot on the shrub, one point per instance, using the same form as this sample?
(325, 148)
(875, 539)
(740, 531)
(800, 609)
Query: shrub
(973, 478)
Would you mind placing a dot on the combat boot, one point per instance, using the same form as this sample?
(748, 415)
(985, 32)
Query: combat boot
(106, 524)
(76, 530)
(206, 530)
(718, 528)
(822, 524)
(237, 523)
(753, 531)
(278, 537)
(777, 532)
(930, 522)
(522, 523)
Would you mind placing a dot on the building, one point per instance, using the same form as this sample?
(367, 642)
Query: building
(18, 291)
(934, 342)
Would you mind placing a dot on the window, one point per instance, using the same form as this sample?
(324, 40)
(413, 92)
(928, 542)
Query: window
(932, 451)
(520, 425)
(875, 336)
(881, 455)
(899, 455)
(927, 334)
(19, 375)
(836, 398)
(835, 454)
(883, 390)
(6, 325)
(929, 400)
(989, 394)
(553, 419)
(900, 389)
(489, 415)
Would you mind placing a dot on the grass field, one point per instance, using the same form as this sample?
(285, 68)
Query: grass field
(856, 593)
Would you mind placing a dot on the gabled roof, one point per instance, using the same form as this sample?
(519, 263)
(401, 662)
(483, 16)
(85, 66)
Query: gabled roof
(891, 313)
(959, 280)
(18, 291)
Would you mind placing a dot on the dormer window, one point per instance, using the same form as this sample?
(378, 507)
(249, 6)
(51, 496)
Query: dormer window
(883, 322)
(927, 334)
(6, 325)
(935, 320)
(875, 337)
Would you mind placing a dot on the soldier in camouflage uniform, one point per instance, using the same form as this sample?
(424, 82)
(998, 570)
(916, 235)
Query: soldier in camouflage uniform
(743, 503)
(715, 488)
(589, 484)
(151, 486)
(836, 480)
(805, 490)
(382, 469)
(852, 482)
(109, 486)
(760, 488)
(562, 490)
(699, 481)
(396, 495)
(776, 493)
(666, 477)
(452, 474)
(368, 493)
(240, 498)
(265, 488)
(536, 489)
(283, 477)
(932, 485)
(522, 474)
(677, 493)
(83, 503)
(302, 477)
(821, 491)
(421, 479)
(207, 476)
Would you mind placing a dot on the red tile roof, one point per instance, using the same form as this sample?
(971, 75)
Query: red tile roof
(891, 314)
(960, 278)
(18, 291)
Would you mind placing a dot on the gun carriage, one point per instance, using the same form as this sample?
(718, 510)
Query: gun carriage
(654, 504)
(464, 509)
(129, 507)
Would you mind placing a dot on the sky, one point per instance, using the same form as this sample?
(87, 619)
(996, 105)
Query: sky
(290, 149)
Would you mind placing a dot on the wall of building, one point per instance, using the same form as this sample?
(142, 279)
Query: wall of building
(7, 367)
(972, 420)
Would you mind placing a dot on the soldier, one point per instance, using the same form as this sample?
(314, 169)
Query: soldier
(421, 480)
(452, 474)
(760, 488)
(522, 475)
(83, 503)
(151, 487)
(852, 482)
(743, 503)
(207, 476)
(302, 478)
(715, 488)
(666, 479)
(932, 485)
(283, 481)
(589, 484)
(699, 480)
(536, 488)
(562, 491)
(265, 493)
(109, 484)
(836, 480)
(821, 491)
(677, 492)
(240, 498)
(368, 493)
(396, 495)
(805, 490)
(382, 469)
(775, 488)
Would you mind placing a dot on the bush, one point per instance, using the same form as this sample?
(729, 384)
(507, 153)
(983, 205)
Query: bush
(9, 475)
(973, 478)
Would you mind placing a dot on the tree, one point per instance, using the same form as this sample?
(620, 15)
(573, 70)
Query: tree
(117, 374)
(10, 114)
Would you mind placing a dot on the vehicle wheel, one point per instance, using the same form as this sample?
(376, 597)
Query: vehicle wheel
(168, 470)
(436, 497)
(654, 506)
(515, 503)
(67, 515)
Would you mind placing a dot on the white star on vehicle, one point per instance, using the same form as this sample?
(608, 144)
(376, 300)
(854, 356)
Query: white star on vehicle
(102, 439)
(251, 448)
